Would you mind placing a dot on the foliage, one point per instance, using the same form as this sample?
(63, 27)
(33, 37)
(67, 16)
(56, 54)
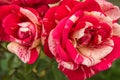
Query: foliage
(11, 68)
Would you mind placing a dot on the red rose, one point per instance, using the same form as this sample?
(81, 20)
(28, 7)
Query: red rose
(30, 2)
(85, 36)
(40, 5)
(22, 28)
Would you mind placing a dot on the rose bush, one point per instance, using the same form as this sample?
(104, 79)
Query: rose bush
(84, 36)
(22, 28)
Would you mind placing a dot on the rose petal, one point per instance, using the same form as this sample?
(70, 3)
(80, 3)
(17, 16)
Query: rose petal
(77, 58)
(115, 13)
(48, 20)
(87, 5)
(47, 50)
(105, 30)
(42, 10)
(81, 73)
(61, 53)
(30, 15)
(5, 10)
(51, 1)
(58, 51)
(10, 24)
(93, 56)
(4, 2)
(52, 44)
(78, 33)
(109, 8)
(61, 12)
(34, 54)
(58, 30)
(4, 36)
(116, 29)
(107, 61)
(67, 65)
(31, 1)
(69, 23)
(25, 54)
(64, 9)
(53, 38)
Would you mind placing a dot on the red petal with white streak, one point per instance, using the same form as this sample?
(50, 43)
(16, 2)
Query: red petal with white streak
(107, 61)
(53, 38)
(30, 15)
(26, 55)
(48, 20)
(34, 54)
(92, 56)
(71, 51)
(109, 8)
(116, 29)
(81, 73)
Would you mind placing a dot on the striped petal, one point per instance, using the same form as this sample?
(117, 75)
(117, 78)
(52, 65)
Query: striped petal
(81, 73)
(24, 53)
(109, 9)
(92, 56)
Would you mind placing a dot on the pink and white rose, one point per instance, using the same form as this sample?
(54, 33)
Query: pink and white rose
(22, 28)
(84, 36)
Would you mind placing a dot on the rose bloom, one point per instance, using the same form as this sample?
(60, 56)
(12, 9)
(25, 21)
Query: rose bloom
(84, 36)
(40, 5)
(29, 2)
(21, 27)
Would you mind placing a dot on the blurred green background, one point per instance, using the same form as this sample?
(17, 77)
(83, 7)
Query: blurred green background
(11, 68)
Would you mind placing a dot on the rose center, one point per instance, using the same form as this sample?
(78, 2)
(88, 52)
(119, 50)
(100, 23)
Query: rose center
(89, 37)
(84, 40)
(23, 33)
